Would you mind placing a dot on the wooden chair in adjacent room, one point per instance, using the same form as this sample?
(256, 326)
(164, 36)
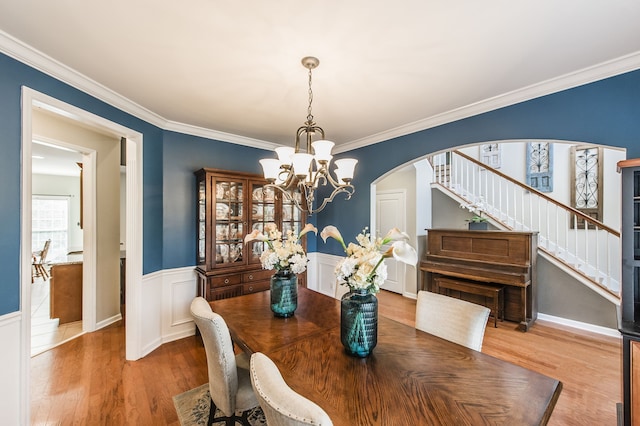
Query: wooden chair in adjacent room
(38, 259)
(452, 319)
(229, 381)
(282, 406)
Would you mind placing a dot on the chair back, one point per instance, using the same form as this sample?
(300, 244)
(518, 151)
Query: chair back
(221, 361)
(452, 319)
(45, 251)
(282, 406)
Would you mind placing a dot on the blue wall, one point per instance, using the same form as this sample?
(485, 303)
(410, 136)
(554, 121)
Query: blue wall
(14, 75)
(606, 112)
(184, 155)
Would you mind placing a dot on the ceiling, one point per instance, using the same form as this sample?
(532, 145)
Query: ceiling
(234, 67)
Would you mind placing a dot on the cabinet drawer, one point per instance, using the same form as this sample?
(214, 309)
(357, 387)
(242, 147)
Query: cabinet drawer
(224, 280)
(255, 287)
(226, 292)
(259, 275)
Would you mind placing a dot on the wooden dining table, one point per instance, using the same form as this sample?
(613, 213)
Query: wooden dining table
(411, 378)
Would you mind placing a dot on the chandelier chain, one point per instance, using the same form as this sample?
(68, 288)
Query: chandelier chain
(309, 115)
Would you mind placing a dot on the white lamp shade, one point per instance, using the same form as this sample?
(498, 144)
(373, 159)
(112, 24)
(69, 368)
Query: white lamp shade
(301, 163)
(347, 167)
(284, 154)
(340, 175)
(270, 168)
(322, 149)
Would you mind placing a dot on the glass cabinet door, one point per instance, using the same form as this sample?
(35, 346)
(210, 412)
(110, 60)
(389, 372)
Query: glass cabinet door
(292, 217)
(229, 222)
(202, 222)
(263, 212)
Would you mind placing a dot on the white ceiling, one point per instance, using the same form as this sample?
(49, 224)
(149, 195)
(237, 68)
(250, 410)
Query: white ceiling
(235, 67)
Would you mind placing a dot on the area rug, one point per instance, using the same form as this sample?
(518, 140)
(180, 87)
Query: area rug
(192, 407)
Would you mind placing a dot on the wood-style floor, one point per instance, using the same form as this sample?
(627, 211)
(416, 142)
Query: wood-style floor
(88, 382)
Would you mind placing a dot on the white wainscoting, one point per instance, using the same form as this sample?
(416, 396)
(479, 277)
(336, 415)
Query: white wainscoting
(180, 286)
(165, 315)
(12, 404)
(320, 273)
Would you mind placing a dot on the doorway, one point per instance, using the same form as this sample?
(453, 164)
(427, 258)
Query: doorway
(55, 206)
(391, 213)
(94, 316)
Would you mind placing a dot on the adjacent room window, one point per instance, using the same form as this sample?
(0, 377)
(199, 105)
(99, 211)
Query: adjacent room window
(50, 220)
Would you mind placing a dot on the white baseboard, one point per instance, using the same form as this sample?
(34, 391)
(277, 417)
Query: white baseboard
(580, 325)
(108, 321)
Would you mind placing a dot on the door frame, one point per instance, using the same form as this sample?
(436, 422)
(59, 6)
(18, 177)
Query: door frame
(33, 99)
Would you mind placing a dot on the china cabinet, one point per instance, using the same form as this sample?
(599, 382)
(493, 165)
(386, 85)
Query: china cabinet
(229, 206)
(630, 325)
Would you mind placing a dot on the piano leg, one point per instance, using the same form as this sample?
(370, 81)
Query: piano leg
(528, 306)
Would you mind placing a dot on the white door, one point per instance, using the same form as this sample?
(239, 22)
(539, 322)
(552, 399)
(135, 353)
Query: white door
(391, 213)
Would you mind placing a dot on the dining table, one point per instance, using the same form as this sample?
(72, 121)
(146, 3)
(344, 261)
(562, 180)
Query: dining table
(410, 378)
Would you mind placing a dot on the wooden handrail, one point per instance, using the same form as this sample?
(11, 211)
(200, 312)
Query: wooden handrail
(578, 213)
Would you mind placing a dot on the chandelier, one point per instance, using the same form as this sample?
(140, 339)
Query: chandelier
(299, 174)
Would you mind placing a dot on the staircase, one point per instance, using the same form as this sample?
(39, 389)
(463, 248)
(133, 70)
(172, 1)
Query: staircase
(582, 246)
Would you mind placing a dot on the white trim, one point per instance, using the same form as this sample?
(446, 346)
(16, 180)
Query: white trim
(30, 56)
(580, 325)
(31, 99)
(38, 60)
(89, 240)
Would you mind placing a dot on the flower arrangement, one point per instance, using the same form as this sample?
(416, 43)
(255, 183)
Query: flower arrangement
(477, 208)
(364, 267)
(282, 253)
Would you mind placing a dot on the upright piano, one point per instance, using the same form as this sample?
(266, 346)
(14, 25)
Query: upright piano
(491, 257)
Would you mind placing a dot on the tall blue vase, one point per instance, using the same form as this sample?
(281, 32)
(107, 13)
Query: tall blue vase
(284, 293)
(359, 323)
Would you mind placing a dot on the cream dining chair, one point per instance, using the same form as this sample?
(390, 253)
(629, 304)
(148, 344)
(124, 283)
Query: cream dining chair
(282, 406)
(452, 319)
(229, 381)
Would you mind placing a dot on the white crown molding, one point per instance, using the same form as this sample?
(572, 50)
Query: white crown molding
(28, 55)
(38, 60)
(578, 78)
(220, 136)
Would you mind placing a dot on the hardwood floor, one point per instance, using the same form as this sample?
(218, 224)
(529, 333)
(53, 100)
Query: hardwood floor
(87, 381)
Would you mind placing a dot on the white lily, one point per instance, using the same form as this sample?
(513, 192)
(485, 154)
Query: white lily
(255, 235)
(403, 252)
(308, 228)
(395, 235)
(332, 231)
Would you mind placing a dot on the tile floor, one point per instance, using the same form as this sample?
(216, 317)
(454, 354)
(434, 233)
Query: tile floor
(46, 333)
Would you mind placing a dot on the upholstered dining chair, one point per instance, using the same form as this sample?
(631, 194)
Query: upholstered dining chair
(452, 319)
(229, 381)
(282, 405)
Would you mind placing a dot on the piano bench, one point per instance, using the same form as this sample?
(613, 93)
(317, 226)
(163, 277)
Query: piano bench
(495, 292)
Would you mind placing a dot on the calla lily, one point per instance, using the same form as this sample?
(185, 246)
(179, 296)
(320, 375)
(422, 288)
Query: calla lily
(403, 252)
(255, 235)
(395, 235)
(332, 231)
(308, 228)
